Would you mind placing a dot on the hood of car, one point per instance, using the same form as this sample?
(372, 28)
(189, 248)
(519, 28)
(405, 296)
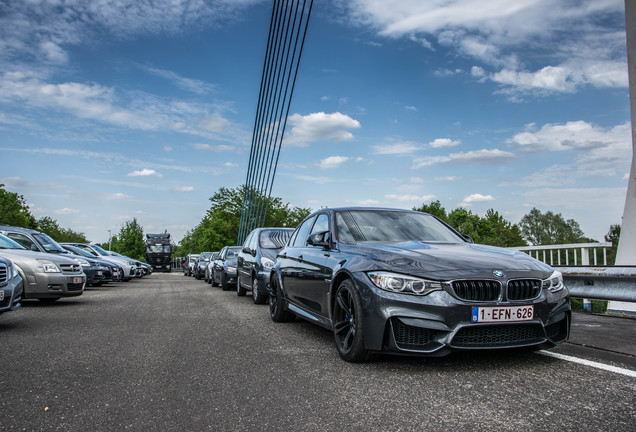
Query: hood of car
(447, 260)
(16, 254)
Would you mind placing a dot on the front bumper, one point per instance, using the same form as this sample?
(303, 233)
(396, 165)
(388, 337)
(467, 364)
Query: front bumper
(439, 323)
(11, 294)
(54, 285)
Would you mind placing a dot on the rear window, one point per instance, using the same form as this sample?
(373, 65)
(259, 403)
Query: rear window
(274, 239)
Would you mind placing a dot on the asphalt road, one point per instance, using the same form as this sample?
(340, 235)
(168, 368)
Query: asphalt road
(170, 353)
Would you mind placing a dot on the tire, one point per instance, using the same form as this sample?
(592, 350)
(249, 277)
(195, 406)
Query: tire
(240, 291)
(206, 279)
(277, 310)
(196, 275)
(257, 297)
(213, 280)
(224, 284)
(348, 329)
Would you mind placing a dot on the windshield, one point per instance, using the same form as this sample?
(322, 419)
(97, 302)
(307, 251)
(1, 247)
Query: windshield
(99, 250)
(232, 253)
(158, 248)
(48, 243)
(7, 243)
(391, 226)
(78, 251)
(274, 239)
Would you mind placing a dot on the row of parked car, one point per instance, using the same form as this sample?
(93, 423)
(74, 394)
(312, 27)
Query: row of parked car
(34, 266)
(398, 281)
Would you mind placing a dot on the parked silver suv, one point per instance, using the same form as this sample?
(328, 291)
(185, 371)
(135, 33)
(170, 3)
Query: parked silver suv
(47, 277)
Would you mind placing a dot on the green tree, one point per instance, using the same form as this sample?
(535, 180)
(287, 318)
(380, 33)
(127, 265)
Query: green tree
(51, 227)
(435, 208)
(220, 225)
(613, 235)
(492, 229)
(130, 241)
(551, 228)
(14, 210)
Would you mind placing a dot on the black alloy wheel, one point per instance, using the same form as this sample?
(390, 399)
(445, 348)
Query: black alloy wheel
(348, 329)
(224, 284)
(277, 311)
(213, 279)
(257, 297)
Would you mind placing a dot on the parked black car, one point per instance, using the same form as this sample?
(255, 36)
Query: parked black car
(256, 259)
(11, 286)
(110, 271)
(224, 268)
(405, 282)
(201, 263)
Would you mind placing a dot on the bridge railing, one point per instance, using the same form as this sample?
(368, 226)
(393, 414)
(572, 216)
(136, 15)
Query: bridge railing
(576, 254)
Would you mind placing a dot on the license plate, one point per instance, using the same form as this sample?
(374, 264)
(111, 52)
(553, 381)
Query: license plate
(503, 314)
(77, 280)
(99, 272)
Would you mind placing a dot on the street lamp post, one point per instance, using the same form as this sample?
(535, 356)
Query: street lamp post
(109, 237)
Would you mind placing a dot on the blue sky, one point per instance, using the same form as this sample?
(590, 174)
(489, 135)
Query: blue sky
(114, 110)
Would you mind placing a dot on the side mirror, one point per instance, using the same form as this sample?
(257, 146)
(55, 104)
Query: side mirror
(468, 238)
(34, 248)
(247, 250)
(319, 239)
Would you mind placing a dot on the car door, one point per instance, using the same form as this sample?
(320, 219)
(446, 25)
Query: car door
(314, 274)
(304, 273)
(246, 260)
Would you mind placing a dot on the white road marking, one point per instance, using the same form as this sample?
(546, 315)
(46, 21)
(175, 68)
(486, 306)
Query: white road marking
(622, 371)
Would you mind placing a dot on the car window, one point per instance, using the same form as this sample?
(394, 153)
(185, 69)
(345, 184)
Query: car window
(392, 226)
(7, 243)
(321, 225)
(231, 253)
(303, 232)
(48, 243)
(274, 239)
(23, 240)
(247, 241)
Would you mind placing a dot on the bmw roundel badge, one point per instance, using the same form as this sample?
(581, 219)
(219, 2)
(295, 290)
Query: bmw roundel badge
(498, 273)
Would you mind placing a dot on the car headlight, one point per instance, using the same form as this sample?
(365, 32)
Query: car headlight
(267, 263)
(49, 267)
(554, 283)
(82, 262)
(13, 271)
(399, 283)
(230, 269)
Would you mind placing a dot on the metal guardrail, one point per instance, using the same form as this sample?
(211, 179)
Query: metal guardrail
(561, 255)
(601, 283)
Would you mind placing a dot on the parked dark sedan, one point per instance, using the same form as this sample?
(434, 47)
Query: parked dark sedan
(256, 259)
(11, 286)
(201, 263)
(224, 268)
(402, 281)
(109, 270)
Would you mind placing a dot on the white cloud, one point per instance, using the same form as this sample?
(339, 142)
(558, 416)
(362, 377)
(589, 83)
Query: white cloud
(475, 198)
(66, 211)
(396, 148)
(319, 127)
(214, 123)
(481, 157)
(116, 196)
(410, 198)
(24, 25)
(216, 148)
(444, 142)
(188, 84)
(568, 46)
(448, 178)
(333, 161)
(144, 173)
(575, 135)
(184, 189)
